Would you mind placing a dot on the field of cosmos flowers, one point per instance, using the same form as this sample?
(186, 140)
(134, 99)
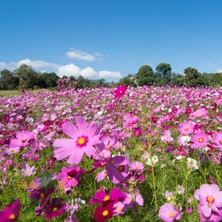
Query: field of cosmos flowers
(112, 154)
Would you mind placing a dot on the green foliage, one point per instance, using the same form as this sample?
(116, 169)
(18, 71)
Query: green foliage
(145, 76)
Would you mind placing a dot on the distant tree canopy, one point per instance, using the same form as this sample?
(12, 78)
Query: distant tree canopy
(25, 77)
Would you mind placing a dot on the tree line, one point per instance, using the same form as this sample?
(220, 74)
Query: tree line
(25, 77)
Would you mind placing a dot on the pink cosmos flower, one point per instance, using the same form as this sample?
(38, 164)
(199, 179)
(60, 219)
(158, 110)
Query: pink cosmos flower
(84, 137)
(130, 121)
(69, 177)
(186, 128)
(166, 137)
(28, 171)
(199, 139)
(120, 91)
(214, 217)
(202, 112)
(11, 212)
(22, 139)
(210, 198)
(218, 140)
(104, 212)
(168, 213)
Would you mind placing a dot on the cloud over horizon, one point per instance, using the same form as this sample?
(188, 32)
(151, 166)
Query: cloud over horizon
(61, 70)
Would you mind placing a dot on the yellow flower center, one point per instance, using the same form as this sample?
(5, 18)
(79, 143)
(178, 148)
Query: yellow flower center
(210, 199)
(200, 140)
(69, 177)
(107, 197)
(105, 213)
(24, 140)
(120, 91)
(55, 209)
(42, 195)
(81, 141)
(108, 147)
(119, 209)
(186, 129)
(171, 215)
(220, 141)
(120, 168)
(11, 216)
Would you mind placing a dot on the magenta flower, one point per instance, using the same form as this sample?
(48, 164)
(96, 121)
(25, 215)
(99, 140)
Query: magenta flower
(54, 208)
(118, 169)
(84, 137)
(210, 198)
(100, 196)
(214, 217)
(166, 137)
(168, 213)
(103, 213)
(10, 212)
(22, 139)
(69, 177)
(199, 139)
(120, 91)
(186, 128)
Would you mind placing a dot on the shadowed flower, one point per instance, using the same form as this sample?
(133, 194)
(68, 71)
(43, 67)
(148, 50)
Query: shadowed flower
(84, 137)
(103, 213)
(10, 212)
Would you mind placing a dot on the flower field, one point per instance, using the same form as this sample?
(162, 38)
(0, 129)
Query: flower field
(112, 154)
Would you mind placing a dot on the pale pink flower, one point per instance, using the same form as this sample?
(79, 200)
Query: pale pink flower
(22, 139)
(84, 137)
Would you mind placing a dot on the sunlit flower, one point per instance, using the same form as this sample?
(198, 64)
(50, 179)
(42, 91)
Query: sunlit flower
(186, 128)
(210, 198)
(84, 137)
(28, 171)
(168, 213)
(192, 164)
(22, 139)
(120, 91)
(199, 139)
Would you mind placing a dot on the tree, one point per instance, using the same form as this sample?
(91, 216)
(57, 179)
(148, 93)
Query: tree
(127, 80)
(191, 75)
(145, 76)
(8, 80)
(163, 69)
(27, 76)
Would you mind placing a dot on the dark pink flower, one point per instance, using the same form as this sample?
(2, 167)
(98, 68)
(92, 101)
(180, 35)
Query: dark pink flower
(120, 91)
(69, 177)
(103, 213)
(10, 212)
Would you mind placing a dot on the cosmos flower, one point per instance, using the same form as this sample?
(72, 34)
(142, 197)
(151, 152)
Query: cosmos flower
(168, 213)
(70, 177)
(104, 212)
(218, 140)
(186, 128)
(118, 169)
(210, 198)
(120, 91)
(199, 139)
(22, 139)
(84, 137)
(11, 212)
(28, 171)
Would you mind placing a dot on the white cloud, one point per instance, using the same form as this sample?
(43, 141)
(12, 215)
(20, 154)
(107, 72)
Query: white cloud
(219, 70)
(61, 70)
(80, 55)
(89, 73)
(109, 75)
(69, 70)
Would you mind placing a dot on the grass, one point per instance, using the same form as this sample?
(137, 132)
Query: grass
(9, 93)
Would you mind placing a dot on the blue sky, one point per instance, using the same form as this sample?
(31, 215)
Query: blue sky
(110, 38)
